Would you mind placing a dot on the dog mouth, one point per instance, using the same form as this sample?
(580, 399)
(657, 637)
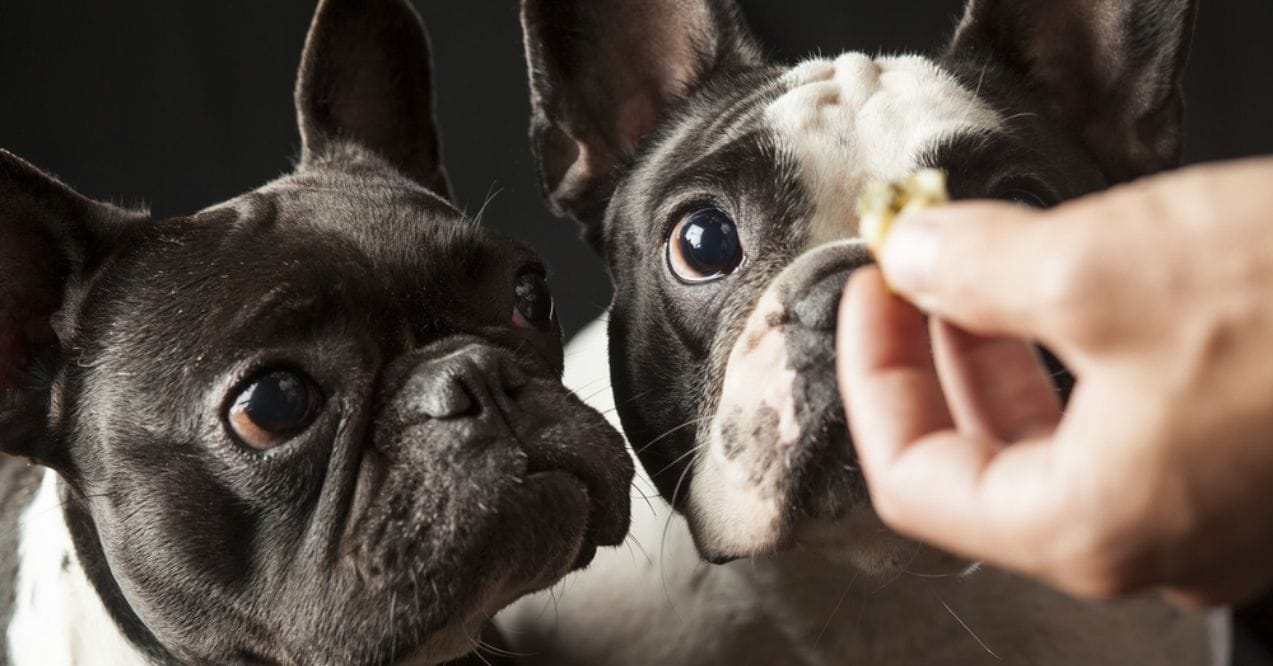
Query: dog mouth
(542, 525)
(604, 524)
(456, 517)
(564, 486)
(562, 473)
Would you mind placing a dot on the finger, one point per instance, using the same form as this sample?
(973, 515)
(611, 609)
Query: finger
(1208, 596)
(1219, 566)
(992, 268)
(885, 366)
(1233, 584)
(964, 494)
(997, 388)
(972, 497)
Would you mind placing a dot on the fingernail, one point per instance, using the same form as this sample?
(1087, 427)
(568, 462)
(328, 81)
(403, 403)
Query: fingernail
(909, 255)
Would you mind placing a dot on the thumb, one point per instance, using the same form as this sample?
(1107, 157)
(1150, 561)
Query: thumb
(985, 266)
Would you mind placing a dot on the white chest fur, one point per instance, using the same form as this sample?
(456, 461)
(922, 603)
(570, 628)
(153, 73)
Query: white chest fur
(58, 618)
(653, 601)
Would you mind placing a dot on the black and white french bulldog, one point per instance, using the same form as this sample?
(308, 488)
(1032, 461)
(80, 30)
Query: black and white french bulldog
(320, 423)
(720, 188)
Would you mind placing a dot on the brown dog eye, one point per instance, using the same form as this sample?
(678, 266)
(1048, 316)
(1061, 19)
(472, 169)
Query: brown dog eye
(704, 246)
(1022, 197)
(532, 301)
(272, 408)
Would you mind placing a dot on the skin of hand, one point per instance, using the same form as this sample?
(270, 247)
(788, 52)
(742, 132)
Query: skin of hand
(1158, 296)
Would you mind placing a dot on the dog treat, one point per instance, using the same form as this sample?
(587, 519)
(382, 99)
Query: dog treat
(883, 201)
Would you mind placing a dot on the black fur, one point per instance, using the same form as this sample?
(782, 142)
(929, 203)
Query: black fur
(382, 528)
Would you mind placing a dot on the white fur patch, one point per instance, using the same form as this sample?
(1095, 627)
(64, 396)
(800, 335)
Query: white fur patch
(856, 119)
(732, 504)
(58, 619)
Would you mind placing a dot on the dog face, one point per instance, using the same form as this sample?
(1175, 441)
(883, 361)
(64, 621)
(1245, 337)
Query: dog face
(321, 422)
(721, 189)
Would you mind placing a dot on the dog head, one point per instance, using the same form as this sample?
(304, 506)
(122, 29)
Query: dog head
(321, 422)
(721, 189)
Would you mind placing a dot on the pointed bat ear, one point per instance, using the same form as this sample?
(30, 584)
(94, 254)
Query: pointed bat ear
(1109, 70)
(366, 78)
(51, 239)
(603, 73)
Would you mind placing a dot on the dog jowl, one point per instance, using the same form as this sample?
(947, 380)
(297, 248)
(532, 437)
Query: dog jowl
(720, 187)
(321, 422)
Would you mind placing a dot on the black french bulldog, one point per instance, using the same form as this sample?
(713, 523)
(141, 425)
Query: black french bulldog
(320, 423)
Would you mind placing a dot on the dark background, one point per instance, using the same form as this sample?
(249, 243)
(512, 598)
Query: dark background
(177, 104)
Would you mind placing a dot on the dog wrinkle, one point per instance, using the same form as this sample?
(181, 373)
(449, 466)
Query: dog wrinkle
(883, 115)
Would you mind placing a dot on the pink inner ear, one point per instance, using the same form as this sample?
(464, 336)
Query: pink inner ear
(24, 333)
(14, 357)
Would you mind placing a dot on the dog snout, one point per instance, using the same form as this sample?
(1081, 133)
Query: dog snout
(472, 381)
(816, 305)
(816, 281)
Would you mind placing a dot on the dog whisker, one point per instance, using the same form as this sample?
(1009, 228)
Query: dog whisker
(676, 461)
(667, 524)
(968, 629)
(901, 570)
(645, 497)
(490, 196)
(836, 609)
(667, 434)
(632, 541)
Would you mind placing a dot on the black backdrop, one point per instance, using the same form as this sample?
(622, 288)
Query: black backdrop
(178, 104)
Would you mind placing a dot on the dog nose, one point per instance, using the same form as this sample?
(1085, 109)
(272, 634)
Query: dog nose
(818, 304)
(469, 381)
(815, 282)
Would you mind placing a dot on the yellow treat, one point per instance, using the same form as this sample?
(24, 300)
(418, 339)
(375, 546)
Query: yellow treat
(883, 201)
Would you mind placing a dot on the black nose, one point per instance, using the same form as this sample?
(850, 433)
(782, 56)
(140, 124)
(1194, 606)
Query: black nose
(469, 381)
(818, 303)
(815, 282)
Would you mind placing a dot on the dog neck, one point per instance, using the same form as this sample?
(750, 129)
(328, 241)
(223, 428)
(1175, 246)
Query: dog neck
(58, 618)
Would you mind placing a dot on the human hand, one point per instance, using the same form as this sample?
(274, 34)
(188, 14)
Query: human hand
(1159, 298)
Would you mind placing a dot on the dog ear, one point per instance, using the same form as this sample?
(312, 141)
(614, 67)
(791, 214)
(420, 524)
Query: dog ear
(603, 73)
(1110, 70)
(50, 240)
(366, 77)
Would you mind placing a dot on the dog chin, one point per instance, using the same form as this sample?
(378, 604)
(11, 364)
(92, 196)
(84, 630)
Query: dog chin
(531, 568)
(445, 645)
(860, 541)
(555, 491)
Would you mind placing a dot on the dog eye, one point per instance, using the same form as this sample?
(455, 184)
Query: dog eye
(532, 301)
(1022, 197)
(272, 408)
(704, 246)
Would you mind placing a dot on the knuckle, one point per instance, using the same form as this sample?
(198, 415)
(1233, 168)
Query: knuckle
(1093, 563)
(885, 502)
(1070, 289)
(1196, 599)
(1099, 585)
